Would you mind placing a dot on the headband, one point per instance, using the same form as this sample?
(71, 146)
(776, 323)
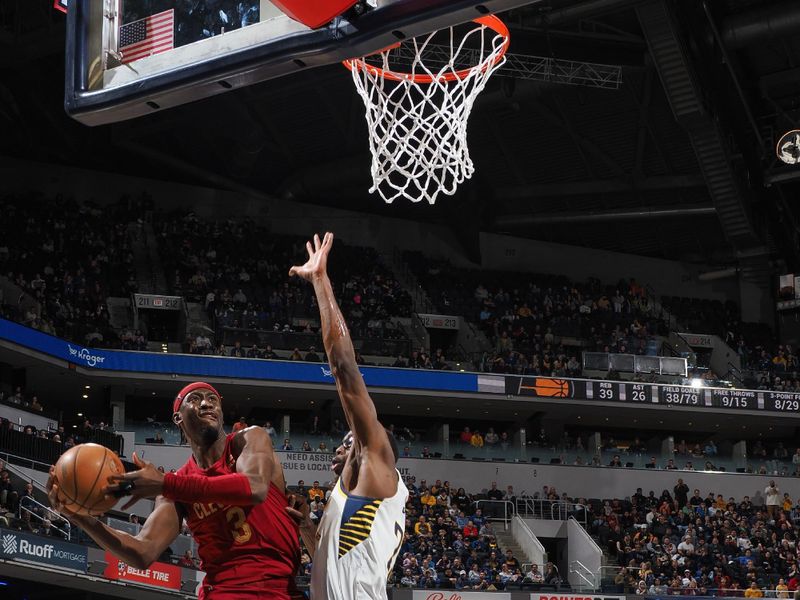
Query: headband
(198, 385)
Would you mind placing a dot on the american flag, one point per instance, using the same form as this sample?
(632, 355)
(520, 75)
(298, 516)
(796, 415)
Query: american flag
(147, 36)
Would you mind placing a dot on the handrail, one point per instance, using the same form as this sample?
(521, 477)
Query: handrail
(521, 523)
(8, 464)
(591, 582)
(559, 510)
(589, 537)
(529, 543)
(734, 374)
(66, 532)
(506, 504)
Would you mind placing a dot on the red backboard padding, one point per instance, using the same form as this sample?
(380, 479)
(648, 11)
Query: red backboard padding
(313, 13)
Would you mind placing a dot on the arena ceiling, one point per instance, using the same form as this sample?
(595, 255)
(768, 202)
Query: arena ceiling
(678, 162)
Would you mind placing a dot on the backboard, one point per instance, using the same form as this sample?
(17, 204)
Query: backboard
(128, 58)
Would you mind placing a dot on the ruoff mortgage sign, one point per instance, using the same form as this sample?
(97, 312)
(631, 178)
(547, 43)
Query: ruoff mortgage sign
(16, 545)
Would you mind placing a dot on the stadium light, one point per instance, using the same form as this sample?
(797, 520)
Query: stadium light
(697, 382)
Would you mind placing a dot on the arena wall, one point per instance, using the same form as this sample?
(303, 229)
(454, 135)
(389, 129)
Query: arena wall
(586, 482)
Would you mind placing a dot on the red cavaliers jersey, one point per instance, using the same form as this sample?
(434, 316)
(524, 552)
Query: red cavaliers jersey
(243, 544)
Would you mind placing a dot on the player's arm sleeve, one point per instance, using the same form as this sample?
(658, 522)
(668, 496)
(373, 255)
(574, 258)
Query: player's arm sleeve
(356, 402)
(139, 551)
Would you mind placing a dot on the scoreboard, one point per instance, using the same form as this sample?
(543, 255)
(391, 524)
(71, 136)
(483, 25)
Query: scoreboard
(652, 394)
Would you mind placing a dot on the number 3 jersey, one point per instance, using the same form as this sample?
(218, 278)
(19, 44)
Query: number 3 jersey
(241, 545)
(358, 542)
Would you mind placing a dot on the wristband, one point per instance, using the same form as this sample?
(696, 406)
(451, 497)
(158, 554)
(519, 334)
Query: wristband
(225, 489)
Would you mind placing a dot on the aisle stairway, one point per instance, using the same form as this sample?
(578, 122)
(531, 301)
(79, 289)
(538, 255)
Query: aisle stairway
(149, 273)
(506, 541)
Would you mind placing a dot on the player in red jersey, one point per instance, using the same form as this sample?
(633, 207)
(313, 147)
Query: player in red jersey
(231, 492)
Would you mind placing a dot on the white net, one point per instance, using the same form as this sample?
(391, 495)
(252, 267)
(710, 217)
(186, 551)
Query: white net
(417, 118)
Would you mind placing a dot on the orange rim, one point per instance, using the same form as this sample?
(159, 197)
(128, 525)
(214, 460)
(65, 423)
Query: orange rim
(490, 21)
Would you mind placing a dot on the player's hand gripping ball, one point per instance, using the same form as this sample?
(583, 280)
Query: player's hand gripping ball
(79, 478)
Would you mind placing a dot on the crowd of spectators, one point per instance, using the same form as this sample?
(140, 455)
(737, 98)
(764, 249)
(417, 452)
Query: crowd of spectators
(238, 270)
(67, 257)
(683, 542)
(19, 508)
(449, 542)
(528, 318)
(777, 370)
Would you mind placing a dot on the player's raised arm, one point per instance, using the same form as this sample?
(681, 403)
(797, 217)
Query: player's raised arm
(139, 551)
(358, 406)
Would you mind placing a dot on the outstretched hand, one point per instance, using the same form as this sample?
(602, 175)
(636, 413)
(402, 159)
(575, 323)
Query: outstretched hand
(146, 482)
(299, 510)
(317, 263)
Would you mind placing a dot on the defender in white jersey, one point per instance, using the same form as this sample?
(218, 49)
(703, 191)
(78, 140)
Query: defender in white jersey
(359, 536)
(359, 539)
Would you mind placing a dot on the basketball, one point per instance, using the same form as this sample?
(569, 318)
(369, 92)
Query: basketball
(82, 473)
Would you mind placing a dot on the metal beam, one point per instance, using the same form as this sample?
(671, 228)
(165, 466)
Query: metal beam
(579, 11)
(607, 216)
(764, 23)
(519, 66)
(600, 186)
(781, 175)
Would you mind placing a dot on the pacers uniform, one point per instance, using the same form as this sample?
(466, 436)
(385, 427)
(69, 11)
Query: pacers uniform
(359, 539)
(247, 552)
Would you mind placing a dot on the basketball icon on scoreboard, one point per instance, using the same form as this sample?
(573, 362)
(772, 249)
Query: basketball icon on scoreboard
(545, 387)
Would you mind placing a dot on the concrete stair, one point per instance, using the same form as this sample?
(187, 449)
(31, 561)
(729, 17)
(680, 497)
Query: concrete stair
(506, 541)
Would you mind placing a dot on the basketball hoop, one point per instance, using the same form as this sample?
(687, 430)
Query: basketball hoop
(419, 94)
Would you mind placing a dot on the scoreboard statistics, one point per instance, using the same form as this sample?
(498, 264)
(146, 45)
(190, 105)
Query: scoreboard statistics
(652, 394)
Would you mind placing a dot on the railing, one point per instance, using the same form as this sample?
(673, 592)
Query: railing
(20, 461)
(654, 299)
(37, 510)
(45, 450)
(632, 363)
(553, 510)
(734, 375)
(529, 543)
(587, 564)
(584, 574)
(52, 415)
(491, 508)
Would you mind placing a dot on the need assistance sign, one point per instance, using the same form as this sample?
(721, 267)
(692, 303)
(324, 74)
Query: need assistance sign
(16, 545)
